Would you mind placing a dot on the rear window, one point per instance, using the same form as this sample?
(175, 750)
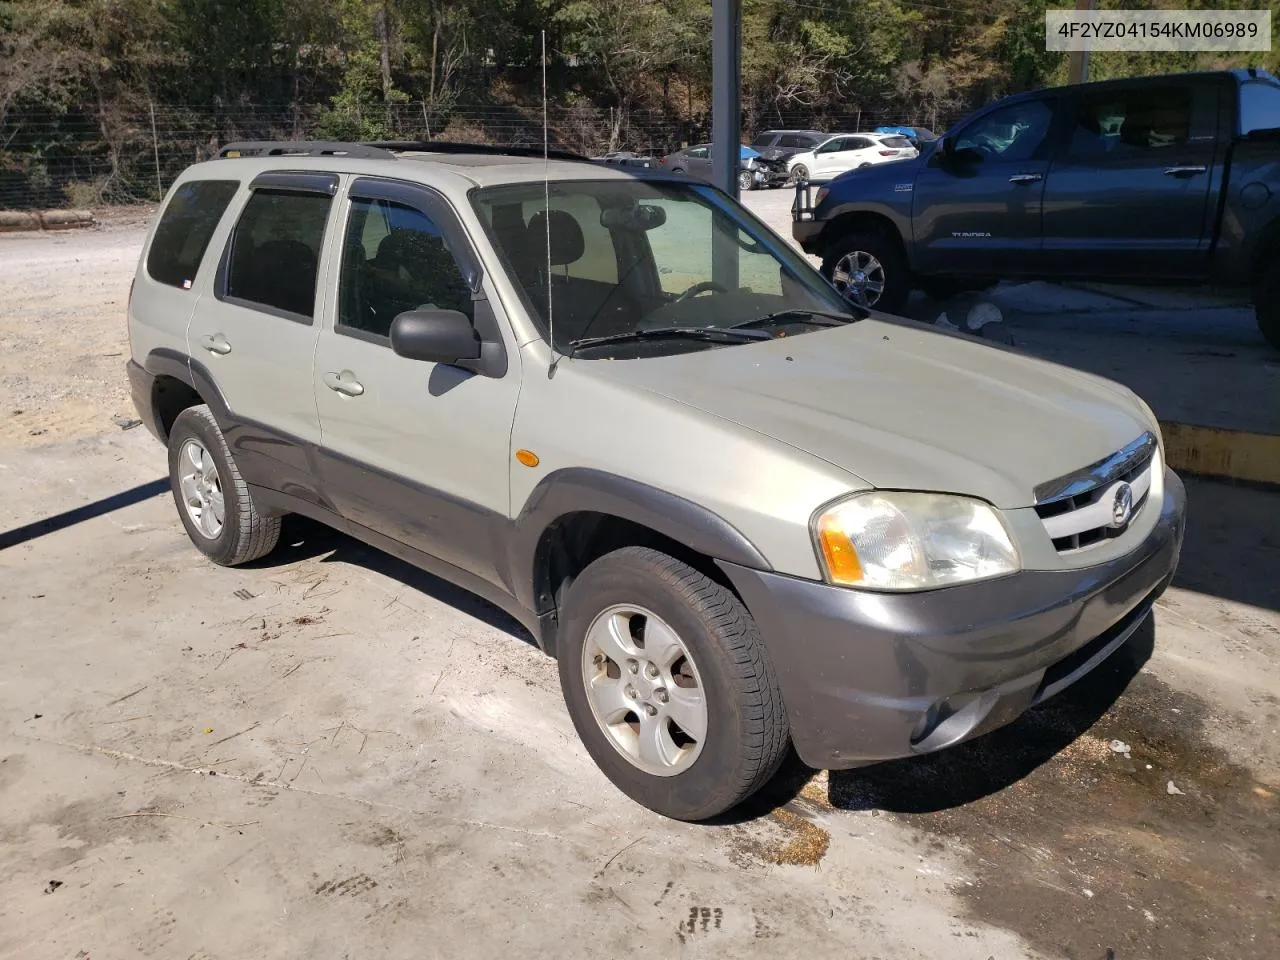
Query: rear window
(1259, 106)
(896, 143)
(185, 228)
(275, 252)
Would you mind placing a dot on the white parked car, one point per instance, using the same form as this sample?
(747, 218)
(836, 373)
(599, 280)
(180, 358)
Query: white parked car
(847, 151)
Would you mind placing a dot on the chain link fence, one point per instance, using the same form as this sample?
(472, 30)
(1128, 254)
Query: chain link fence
(84, 159)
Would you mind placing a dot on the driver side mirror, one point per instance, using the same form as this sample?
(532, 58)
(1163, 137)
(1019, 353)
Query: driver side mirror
(437, 336)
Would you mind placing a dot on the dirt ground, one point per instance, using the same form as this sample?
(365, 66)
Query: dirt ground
(329, 754)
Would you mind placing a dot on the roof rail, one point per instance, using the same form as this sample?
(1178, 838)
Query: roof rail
(304, 148)
(447, 146)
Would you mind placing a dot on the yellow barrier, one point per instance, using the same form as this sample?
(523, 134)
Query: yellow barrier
(1228, 454)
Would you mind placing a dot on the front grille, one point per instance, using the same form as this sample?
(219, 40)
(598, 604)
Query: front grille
(1078, 510)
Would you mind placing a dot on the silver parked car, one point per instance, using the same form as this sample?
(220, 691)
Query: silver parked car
(741, 512)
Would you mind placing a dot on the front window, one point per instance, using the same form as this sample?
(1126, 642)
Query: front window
(1015, 132)
(633, 260)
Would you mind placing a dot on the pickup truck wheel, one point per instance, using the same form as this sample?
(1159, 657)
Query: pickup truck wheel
(669, 685)
(213, 501)
(870, 269)
(1266, 306)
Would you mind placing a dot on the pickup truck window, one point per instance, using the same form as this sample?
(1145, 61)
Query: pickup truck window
(1259, 106)
(1014, 132)
(1131, 121)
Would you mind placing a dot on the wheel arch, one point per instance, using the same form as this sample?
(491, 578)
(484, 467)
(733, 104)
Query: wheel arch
(577, 515)
(178, 383)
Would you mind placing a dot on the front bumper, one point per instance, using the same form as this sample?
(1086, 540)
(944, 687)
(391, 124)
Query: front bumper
(878, 676)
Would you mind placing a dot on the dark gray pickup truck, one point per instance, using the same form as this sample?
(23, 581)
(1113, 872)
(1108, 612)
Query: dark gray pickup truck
(1153, 180)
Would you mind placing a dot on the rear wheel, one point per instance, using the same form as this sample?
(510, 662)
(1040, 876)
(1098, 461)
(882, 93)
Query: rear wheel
(1266, 306)
(869, 268)
(669, 686)
(213, 501)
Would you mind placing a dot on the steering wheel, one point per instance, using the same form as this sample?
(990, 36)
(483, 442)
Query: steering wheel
(704, 286)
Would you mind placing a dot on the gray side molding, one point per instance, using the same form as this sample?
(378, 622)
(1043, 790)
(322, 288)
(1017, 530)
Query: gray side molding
(580, 489)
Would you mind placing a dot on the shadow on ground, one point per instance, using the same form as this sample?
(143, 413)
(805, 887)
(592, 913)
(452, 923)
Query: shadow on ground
(305, 539)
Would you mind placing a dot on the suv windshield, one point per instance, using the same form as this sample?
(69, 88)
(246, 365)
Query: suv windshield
(651, 264)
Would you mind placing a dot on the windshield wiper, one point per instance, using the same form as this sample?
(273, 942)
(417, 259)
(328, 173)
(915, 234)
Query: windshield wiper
(821, 318)
(709, 334)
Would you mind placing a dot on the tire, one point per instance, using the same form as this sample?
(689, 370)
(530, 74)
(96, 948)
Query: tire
(746, 734)
(746, 181)
(678, 170)
(884, 249)
(1266, 306)
(244, 534)
(863, 166)
(799, 172)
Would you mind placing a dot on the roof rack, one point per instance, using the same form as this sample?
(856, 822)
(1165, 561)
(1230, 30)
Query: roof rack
(304, 148)
(448, 146)
(379, 150)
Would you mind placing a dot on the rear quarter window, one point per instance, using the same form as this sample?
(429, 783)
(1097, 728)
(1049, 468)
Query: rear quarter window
(1259, 106)
(185, 228)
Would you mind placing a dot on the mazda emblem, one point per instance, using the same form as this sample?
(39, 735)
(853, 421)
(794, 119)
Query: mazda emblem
(1122, 506)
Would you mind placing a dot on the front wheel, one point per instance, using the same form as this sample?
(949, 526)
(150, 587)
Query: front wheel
(746, 180)
(869, 268)
(799, 172)
(669, 685)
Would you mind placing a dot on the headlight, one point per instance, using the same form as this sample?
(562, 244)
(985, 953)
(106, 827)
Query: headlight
(912, 541)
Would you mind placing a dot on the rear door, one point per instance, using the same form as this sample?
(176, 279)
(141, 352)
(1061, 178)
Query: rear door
(1128, 197)
(976, 208)
(698, 162)
(256, 336)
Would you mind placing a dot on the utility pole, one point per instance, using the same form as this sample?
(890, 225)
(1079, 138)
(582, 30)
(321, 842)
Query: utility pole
(1078, 70)
(726, 93)
(726, 126)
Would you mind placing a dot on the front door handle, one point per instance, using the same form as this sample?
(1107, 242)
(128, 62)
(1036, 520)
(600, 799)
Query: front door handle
(1185, 170)
(216, 343)
(344, 383)
(1026, 178)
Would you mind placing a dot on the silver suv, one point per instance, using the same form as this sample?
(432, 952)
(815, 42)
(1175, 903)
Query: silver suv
(740, 511)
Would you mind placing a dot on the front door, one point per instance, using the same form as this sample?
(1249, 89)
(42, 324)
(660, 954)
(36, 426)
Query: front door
(256, 335)
(416, 451)
(836, 156)
(977, 206)
(1128, 196)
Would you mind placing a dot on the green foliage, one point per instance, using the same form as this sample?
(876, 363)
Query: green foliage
(93, 71)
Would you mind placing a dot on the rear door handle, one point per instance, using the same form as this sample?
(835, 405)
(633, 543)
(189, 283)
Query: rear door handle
(1026, 178)
(344, 383)
(216, 343)
(1185, 170)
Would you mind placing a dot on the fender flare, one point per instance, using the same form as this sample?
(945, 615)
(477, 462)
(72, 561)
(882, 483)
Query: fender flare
(581, 489)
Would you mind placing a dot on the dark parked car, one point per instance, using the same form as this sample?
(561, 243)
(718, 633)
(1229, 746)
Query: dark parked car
(625, 158)
(753, 171)
(784, 144)
(1154, 180)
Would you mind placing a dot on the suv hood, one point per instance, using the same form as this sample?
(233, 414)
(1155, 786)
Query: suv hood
(902, 406)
